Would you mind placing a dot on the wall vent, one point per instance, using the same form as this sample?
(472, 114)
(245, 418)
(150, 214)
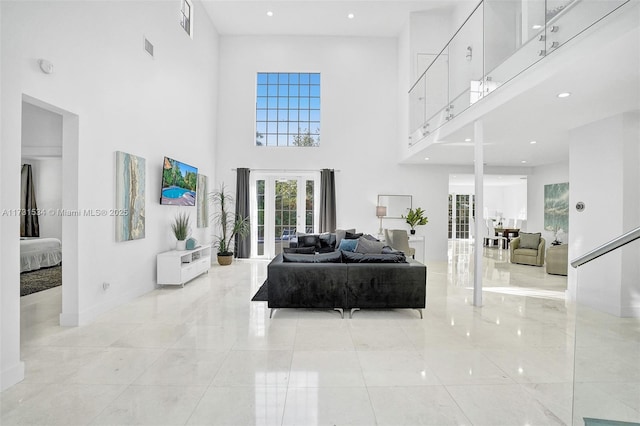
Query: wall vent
(148, 47)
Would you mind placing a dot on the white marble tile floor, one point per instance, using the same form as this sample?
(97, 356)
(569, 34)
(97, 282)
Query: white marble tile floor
(206, 355)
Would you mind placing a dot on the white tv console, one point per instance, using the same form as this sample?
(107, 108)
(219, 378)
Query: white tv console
(176, 267)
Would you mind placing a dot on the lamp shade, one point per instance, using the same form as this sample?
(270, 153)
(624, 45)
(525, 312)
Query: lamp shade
(381, 211)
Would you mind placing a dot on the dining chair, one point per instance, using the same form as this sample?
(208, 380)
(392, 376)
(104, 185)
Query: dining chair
(399, 240)
(497, 236)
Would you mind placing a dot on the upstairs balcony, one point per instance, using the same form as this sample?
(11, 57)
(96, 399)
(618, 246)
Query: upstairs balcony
(498, 41)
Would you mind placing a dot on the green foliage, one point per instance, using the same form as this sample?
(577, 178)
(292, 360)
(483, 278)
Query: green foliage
(305, 138)
(172, 174)
(416, 217)
(180, 226)
(229, 224)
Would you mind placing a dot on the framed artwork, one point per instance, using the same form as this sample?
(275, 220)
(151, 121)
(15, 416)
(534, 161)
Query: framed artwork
(556, 207)
(130, 197)
(202, 203)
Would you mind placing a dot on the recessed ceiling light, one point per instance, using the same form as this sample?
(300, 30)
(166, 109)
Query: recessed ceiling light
(269, 13)
(351, 16)
(523, 161)
(537, 26)
(533, 142)
(564, 95)
(426, 158)
(467, 140)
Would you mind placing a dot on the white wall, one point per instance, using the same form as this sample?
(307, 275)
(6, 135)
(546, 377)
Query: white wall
(511, 200)
(41, 132)
(124, 100)
(359, 126)
(541, 176)
(612, 199)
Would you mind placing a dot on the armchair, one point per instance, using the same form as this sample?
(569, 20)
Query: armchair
(522, 253)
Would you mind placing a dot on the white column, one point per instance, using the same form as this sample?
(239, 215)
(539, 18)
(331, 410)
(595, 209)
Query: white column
(479, 173)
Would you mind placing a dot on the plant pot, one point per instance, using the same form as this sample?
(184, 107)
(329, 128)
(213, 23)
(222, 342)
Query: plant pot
(181, 245)
(413, 232)
(225, 259)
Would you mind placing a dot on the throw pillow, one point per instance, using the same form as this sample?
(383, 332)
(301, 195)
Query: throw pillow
(327, 241)
(348, 245)
(309, 240)
(340, 233)
(529, 241)
(349, 257)
(367, 246)
(353, 235)
(300, 250)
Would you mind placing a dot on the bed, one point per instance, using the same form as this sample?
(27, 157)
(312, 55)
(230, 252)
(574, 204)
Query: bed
(36, 253)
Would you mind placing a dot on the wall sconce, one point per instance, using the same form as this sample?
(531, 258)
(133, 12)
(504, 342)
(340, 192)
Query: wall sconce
(381, 211)
(469, 55)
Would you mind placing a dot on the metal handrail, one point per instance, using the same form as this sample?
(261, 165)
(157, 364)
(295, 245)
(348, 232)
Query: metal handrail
(607, 247)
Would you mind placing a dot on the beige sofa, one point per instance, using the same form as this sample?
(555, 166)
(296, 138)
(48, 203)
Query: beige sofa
(527, 256)
(558, 259)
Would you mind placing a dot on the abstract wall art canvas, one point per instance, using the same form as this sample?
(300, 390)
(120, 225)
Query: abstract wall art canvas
(130, 197)
(202, 203)
(556, 207)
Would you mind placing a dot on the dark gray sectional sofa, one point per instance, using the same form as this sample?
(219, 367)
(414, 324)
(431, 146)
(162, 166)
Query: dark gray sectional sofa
(345, 280)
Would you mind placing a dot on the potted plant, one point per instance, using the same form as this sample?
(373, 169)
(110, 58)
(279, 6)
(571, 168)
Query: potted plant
(180, 227)
(229, 224)
(416, 218)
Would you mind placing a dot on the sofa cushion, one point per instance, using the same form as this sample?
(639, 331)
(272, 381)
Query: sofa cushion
(348, 245)
(365, 245)
(529, 240)
(526, 252)
(334, 257)
(350, 257)
(300, 250)
(353, 235)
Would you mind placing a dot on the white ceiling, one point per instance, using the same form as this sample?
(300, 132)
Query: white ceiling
(603, 82)
(377, 18)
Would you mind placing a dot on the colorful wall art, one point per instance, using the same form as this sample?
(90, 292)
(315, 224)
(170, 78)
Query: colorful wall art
(556, 207)
(130, 197)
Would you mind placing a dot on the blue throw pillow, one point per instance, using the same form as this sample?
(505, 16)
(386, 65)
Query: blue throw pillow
(348, 245)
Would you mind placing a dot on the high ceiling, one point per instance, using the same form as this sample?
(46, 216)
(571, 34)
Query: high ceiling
(377, 18)
(603, 79)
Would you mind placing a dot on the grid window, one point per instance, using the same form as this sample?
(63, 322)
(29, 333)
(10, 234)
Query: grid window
(288, 109)
(186, 15)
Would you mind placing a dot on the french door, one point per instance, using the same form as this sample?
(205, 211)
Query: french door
(282, 205)
(461, 213)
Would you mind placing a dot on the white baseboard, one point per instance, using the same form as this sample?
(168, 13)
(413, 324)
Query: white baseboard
(630, 311)
(11, 376)
(87, 316)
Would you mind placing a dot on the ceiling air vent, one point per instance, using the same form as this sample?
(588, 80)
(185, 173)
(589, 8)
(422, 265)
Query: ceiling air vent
(148, 47)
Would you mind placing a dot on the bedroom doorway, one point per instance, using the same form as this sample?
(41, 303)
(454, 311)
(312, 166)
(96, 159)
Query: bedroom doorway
(49, 144)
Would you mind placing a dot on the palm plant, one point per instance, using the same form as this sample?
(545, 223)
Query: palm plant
(230, 224)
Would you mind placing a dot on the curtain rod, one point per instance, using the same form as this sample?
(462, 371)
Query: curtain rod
(287, 170)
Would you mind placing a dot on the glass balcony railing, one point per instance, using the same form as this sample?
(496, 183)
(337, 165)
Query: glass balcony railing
(498, 41)
(606, 377)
